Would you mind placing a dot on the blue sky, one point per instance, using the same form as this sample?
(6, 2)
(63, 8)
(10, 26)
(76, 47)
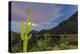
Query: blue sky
(43, 15)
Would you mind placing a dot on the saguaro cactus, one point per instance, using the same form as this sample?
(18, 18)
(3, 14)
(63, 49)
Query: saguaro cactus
(25, 31)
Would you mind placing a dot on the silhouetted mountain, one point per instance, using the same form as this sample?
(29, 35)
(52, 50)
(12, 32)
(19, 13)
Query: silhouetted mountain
(34, 32)
(69, 26)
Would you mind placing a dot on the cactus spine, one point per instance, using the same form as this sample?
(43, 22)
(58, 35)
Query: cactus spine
(25, 31)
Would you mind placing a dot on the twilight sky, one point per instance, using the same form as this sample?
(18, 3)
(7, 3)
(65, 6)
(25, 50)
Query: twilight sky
(43, 15)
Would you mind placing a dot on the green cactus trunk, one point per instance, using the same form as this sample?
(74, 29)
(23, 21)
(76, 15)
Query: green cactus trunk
(25, 32)
(24, 46)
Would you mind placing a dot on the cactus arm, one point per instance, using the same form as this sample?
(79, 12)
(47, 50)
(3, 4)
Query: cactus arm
(22, 30)
(29, 36)
(27, 26)
(30, 26)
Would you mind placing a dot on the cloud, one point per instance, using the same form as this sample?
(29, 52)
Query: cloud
(15, 26)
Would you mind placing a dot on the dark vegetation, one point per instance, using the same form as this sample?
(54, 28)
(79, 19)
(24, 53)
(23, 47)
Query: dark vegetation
(63, 36)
